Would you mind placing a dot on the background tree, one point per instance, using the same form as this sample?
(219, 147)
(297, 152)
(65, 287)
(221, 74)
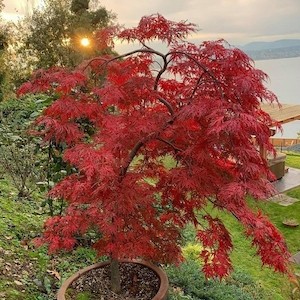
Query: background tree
(55, 32)
(51, 36)
(199, 108)
(2, 70)
(5, 34)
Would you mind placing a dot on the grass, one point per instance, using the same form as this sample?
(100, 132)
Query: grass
(293, 159)
(244, 257)
(294, 193)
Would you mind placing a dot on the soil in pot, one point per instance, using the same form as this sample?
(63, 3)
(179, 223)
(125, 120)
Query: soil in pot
(137, 281)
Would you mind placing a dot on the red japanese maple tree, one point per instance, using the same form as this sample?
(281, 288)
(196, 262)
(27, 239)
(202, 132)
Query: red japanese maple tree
(196, 105)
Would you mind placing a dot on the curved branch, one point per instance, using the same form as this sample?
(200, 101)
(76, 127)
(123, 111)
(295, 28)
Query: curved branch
(202, 67)
(160, 73)
(163, 69)
(196, 86)
(144, 45)
(146, 50)
(170, 144)
(168, 105)
(108, 61)
(133, 153)
(138, 146)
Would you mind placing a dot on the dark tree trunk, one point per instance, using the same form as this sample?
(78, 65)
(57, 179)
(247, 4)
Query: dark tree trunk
(115, 276)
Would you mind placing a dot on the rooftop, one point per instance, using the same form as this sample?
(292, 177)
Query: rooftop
(284, 113)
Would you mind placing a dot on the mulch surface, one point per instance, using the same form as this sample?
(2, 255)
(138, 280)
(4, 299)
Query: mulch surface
(137, 281)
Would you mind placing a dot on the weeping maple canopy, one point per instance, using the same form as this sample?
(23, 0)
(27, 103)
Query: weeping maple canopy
(198, 105)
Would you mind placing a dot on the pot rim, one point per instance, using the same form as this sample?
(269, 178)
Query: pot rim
(160, 295)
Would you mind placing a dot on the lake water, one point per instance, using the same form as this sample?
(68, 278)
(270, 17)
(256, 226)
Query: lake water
(284, 81)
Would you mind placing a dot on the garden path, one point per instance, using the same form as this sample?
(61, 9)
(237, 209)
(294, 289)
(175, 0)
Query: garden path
(290, 180)
(283, 199)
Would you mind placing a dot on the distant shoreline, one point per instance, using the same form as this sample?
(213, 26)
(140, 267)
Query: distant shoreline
(273, 50)
(269, 58)
(290, 52)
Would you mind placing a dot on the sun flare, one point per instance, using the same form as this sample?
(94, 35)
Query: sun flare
(85, 42)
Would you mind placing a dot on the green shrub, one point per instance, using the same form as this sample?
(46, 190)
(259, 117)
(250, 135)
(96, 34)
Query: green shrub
(188, 234)
(189, 283)
(192, 251)
(20, 159)
(19, 163)
(28, 162)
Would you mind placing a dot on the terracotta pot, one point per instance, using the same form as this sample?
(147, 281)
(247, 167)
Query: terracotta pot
(161, 294)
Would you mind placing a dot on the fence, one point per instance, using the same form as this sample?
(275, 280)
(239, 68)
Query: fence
(280, 142)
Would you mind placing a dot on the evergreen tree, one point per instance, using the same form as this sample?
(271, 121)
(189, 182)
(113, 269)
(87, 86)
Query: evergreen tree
(55, 32)
(51, 36)
(3, 46)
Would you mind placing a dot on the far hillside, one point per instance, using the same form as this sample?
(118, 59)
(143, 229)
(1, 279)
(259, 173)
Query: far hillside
(273, 50)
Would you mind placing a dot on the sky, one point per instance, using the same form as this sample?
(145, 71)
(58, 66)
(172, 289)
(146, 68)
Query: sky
(237, 21)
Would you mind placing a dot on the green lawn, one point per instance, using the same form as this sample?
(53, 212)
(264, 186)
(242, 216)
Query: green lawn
(276, 285)
(293, 159)
(244, 256)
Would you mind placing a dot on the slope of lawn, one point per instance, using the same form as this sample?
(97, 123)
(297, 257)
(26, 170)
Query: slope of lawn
(29, 273)
(244, 257)
(277, 286)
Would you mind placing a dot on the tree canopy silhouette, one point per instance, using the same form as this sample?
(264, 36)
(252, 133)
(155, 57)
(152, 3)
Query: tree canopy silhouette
(198, 105)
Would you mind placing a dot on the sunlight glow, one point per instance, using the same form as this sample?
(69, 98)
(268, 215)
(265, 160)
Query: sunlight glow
(85, 42)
